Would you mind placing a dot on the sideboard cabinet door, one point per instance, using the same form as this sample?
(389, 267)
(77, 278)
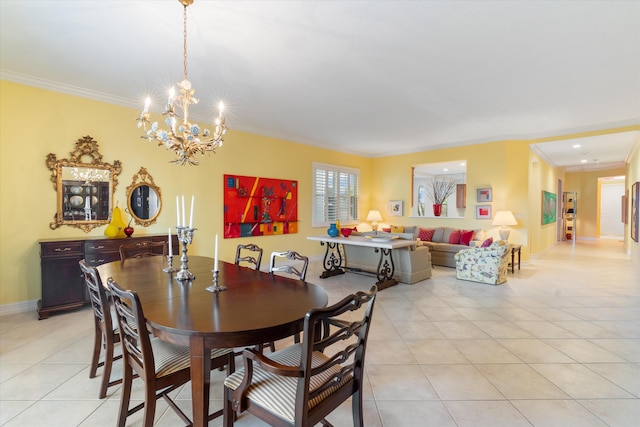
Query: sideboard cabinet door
(62, 283)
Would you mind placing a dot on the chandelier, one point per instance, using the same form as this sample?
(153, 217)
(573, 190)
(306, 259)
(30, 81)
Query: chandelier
(184, 138)
(89, 175)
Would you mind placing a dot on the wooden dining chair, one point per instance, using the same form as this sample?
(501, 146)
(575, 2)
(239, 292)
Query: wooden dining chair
(162, 366)
(142, 249)
(296, 264)
(249, 254)
(302, 384)
(106, 331)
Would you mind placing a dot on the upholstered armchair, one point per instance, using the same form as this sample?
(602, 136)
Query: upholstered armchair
(485, 265)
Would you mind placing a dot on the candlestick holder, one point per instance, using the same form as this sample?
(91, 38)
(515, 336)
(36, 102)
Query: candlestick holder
(169, 268)
(216, 287)
(185, 237)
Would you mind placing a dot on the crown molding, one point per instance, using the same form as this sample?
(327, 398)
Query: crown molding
(66, 89)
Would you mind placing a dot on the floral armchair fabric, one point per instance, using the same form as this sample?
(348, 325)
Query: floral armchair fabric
(484, 265)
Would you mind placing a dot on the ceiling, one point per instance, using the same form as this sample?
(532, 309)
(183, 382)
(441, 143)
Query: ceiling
(373, 78)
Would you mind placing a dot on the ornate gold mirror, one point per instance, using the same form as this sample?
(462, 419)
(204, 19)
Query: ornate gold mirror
(84, 185)
(143, 199)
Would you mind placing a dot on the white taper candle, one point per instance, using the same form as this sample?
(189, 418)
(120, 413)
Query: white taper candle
(215, 256)
(177, 212)
(184, 218)
(170, 243)
(193, 199)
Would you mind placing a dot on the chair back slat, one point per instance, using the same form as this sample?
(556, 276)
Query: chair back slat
(250, 254)
(297, 264)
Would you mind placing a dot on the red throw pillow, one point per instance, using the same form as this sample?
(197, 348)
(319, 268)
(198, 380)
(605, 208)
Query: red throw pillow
(454, 237)
(426, 234)
(465, 237)
(387, 230)
(487, 242)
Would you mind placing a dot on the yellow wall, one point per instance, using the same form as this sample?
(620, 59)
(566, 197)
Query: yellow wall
(499, 165)
(632, 174)
(587, 187)
(35, 122)
(542, 177)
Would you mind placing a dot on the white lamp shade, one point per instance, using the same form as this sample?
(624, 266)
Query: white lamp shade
(504, 218)
(374, 216)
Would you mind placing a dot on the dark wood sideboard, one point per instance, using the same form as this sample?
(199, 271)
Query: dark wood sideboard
(63, 287)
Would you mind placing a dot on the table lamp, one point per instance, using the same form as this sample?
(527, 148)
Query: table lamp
(504, 219)
(374, 217)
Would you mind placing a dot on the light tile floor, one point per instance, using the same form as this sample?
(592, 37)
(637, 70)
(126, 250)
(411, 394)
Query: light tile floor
(557, 345)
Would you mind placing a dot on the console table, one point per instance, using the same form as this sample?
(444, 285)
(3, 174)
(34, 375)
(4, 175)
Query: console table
(334, 255)
(62, 283)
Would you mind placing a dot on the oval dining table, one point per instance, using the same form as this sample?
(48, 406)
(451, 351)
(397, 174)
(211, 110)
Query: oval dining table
(255, 308)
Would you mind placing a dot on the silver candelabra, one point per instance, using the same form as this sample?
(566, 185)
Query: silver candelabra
(169, 268)
(185, 237)
(215, 287)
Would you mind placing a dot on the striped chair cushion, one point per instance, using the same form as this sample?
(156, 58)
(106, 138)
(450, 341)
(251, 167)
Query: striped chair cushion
(276, 393)
(170, 358)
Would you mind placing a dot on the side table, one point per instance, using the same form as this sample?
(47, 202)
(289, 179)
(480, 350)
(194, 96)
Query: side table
(515, 249)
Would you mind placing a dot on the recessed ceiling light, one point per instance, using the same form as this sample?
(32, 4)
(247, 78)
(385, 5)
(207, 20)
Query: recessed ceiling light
(445, 169)
(577, 145)
(584, 161)
(463, 164)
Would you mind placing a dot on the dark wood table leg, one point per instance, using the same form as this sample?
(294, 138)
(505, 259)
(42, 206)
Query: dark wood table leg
(386, 269)
(513, 252)
(200, 369)
(333, 260)
(519, 249)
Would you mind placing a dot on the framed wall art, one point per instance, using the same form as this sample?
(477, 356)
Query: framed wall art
(255, 206)
(635, 195)
(484, 195)
(549, 206)
(483, 211)
(395, 207)
(625, 207)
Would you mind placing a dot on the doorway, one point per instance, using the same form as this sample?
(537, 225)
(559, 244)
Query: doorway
(610, 209)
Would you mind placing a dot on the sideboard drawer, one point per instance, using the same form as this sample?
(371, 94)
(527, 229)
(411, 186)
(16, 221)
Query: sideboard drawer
(57, 249)
(101, 246)
(95, 259)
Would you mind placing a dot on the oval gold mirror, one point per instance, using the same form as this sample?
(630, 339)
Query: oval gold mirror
(84, 186)
(144, 201)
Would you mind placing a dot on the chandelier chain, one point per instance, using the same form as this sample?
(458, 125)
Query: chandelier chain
(184, 45)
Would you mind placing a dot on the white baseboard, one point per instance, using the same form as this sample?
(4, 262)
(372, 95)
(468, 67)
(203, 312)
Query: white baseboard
(537, 255)
(18, 307)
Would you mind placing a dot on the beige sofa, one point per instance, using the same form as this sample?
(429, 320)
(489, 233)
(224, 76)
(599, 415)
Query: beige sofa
(443, 253)
(411, 264)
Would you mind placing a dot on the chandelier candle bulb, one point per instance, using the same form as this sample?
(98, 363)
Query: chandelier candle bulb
(172, 95)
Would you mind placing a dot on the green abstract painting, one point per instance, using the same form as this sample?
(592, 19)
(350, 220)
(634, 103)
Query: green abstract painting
(549, 201)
